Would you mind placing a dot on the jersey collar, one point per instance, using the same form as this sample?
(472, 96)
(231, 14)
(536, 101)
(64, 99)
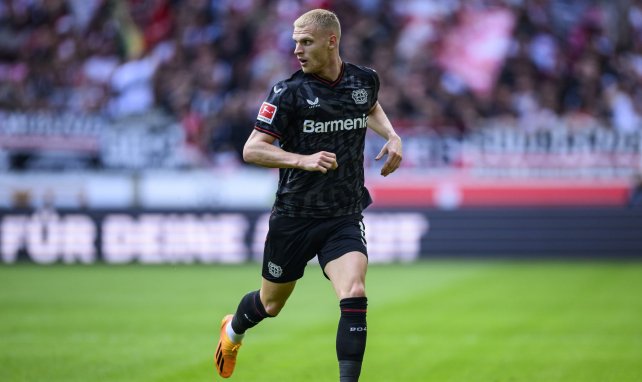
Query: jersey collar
(332, 83)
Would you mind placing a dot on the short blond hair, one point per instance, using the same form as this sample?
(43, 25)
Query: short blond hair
(322, 19)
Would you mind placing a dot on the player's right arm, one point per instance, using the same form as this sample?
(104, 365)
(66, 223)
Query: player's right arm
(260, 150)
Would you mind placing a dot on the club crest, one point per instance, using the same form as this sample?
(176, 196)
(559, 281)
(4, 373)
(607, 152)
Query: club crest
(360, 96)
(275, 270)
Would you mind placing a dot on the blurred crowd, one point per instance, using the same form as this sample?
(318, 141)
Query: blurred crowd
(210, 63)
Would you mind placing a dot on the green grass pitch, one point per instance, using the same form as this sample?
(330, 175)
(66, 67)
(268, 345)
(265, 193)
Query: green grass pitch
(428, 321)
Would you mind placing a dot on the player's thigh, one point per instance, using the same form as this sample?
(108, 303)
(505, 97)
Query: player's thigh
(290, 244)
(348, 274)
(344, 257)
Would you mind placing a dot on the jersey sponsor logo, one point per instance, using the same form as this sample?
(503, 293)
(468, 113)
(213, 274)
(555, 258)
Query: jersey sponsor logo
(314, 103)
(312, 126)
(360, 96)
(275, 270)
(277, 90)
(266, 112)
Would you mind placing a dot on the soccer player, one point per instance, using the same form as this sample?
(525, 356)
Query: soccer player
(319, 116)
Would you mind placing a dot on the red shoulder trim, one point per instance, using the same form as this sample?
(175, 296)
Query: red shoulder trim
(275, 135)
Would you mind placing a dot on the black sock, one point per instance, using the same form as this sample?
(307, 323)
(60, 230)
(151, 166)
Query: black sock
(351, 337)
(249, 313)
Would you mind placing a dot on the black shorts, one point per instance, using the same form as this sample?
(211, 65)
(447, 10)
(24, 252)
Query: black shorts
(292, 242)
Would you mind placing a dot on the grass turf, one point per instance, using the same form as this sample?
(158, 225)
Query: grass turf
(428, 321)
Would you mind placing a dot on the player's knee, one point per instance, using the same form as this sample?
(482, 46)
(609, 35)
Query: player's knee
(273, 308)
(355, 289)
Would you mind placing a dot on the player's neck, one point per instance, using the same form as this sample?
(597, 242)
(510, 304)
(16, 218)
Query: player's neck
(332, 71)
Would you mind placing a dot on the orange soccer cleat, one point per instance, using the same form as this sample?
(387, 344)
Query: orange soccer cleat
(226, 351)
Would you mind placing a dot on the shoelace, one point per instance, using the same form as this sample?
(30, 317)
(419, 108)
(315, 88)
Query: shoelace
(234, 348)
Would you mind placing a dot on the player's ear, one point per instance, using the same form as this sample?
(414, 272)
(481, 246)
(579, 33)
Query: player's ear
(332, 41)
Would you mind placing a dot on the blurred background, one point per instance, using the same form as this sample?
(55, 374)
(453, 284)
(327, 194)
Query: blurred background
(122, 124)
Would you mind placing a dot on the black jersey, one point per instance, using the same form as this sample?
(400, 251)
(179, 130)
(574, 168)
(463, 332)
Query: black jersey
(308, 114)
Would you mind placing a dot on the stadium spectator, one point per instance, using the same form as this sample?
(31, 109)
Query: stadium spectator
(565, 61)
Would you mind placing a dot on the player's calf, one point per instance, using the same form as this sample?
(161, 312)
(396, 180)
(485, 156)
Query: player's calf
(249, 313)
(351, 337)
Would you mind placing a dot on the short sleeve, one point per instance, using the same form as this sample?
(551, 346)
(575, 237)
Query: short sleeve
(274, 113)
(375, 78)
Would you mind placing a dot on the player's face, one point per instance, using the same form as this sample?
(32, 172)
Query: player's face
(312, 48)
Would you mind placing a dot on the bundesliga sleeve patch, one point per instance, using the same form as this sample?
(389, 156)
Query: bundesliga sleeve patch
(266, 112)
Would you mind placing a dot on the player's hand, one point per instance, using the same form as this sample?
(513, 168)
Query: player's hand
(321, 161)
(392, 148)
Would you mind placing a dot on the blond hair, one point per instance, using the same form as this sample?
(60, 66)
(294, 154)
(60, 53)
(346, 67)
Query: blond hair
(322, 19)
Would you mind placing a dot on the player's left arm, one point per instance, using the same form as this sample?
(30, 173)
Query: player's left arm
(378, 121)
